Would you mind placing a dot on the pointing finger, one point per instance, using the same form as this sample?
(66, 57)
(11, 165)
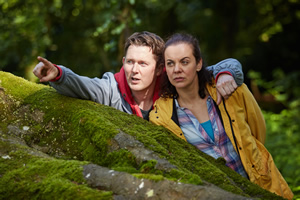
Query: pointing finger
(45, 61)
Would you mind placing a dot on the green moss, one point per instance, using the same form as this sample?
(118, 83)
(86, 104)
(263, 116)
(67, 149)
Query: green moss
(121, 158)
(28, 177)
(128, 169)
(185, 156)
(150, 177)
(148, 167)
(82, 130)
(15, 86)
(184, 177)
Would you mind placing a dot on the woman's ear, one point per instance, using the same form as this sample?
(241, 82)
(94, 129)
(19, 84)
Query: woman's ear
(199, 65)
(123, 60)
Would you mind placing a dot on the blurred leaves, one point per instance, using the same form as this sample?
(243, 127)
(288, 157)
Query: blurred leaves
(21, 25)
(84, 35)
(89, 36)
(283, 128)
(285, 87)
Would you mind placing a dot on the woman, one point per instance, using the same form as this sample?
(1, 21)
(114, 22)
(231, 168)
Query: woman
(234, 130)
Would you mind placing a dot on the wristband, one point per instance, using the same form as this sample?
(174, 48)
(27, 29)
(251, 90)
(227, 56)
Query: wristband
(224, 72)
(58, 75)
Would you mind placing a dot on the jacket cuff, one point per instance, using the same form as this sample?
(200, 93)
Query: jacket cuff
(223, 72)
(59, 74)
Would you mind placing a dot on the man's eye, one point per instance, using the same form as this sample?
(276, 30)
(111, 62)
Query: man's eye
(129, 61)
(143, 64)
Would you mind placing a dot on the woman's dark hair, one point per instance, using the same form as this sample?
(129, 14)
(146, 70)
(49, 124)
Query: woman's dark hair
(204, 76)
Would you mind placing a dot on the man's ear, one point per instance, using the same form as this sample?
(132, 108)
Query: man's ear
(199, 65)
(123, 60)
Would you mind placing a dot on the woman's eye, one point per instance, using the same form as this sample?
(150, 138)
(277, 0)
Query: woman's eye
(129, 61)
(169, 64)
(185, 62)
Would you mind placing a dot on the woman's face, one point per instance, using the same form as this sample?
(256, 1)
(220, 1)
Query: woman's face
(181, 66)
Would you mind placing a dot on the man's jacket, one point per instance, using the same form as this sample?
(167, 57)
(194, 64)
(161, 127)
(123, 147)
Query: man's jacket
(245, 126)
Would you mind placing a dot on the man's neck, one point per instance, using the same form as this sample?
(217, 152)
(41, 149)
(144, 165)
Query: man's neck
(144, 99)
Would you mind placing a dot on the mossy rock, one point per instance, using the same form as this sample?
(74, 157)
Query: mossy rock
(50, 144)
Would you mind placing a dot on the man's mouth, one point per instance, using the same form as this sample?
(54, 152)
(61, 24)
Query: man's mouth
(135, 80)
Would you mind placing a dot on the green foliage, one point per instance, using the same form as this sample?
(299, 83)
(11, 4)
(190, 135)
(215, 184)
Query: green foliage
(23, 33)
(285, 87)
(61, 30)
(283, 142)
(88, 36)
(283, 128)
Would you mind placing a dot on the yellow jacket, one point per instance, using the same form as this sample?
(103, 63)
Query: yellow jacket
(245, 126)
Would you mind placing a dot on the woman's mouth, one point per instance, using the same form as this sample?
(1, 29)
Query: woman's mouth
(178, 79)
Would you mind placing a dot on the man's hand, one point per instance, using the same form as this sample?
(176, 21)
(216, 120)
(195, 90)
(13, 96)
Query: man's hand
(226, 85)
(45, 70)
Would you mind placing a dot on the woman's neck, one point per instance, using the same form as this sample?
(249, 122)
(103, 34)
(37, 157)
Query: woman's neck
(196, 104)
(189, 94)
(189, 97)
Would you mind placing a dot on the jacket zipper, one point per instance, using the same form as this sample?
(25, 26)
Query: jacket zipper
(234, 138)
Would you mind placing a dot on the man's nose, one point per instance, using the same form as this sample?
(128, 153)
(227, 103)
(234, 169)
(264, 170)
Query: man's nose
(135, 67)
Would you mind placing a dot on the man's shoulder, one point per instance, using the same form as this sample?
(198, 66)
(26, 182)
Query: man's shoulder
(109, 74)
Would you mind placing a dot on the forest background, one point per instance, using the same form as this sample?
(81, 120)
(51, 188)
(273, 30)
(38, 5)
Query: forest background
(88, 37)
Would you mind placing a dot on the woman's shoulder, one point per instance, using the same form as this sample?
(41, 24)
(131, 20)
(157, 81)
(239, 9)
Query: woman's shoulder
(243, 89)
(163, 106)
(242, 95)
(162, 111)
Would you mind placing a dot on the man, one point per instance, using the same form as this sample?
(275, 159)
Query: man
(136, 87)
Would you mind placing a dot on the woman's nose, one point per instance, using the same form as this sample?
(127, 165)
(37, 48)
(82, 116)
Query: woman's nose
(177, 68)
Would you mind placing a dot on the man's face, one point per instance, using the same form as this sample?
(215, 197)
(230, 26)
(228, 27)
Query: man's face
(140, 68)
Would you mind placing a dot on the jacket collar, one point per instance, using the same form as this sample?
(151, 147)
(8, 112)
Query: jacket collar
(212, 90)
(126, 92)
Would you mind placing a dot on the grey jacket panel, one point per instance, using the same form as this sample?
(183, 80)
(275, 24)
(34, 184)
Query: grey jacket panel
(104, 91)
(233, 66)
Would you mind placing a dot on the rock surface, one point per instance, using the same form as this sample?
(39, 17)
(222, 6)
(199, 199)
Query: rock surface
(52, 146)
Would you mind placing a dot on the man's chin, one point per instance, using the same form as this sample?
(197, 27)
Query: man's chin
(134, 87)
